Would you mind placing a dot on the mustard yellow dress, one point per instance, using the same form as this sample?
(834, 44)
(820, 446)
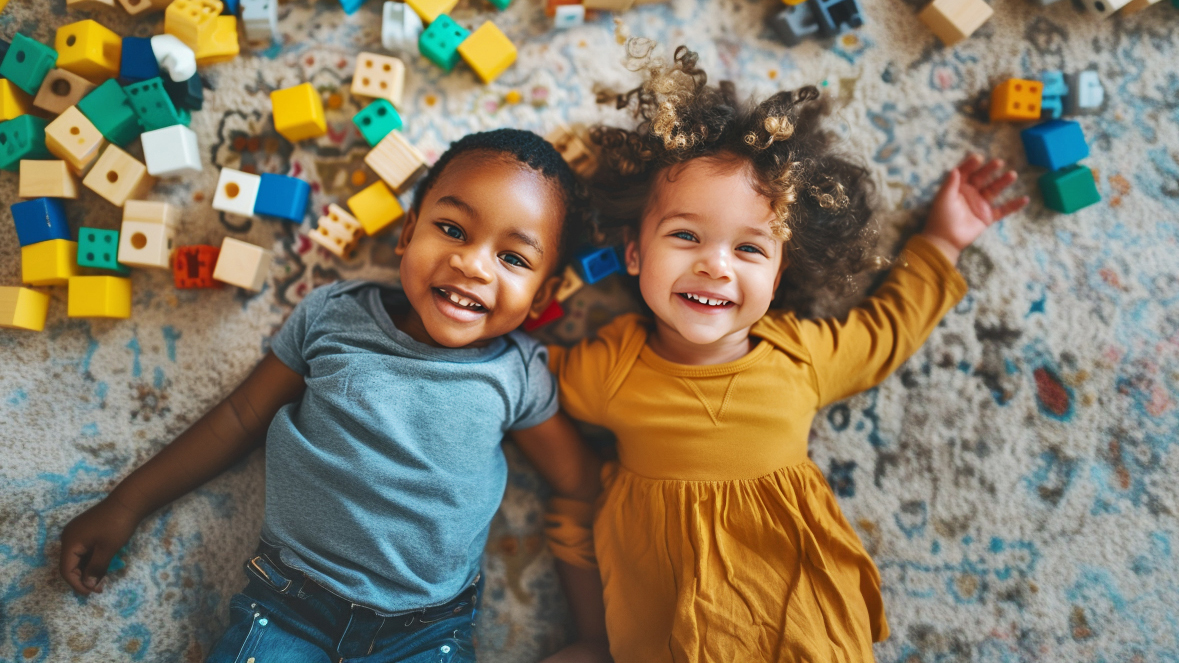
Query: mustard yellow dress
(716, 537)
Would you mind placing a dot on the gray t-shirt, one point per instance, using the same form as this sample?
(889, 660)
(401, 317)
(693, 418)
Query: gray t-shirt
(382, 480)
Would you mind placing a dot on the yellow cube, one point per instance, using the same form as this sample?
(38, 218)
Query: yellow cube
(52, 262)
(99, 297)
(89, 49)
(13, 101)
(192, 21)
(221, 45)
(21, 308)
(298, 113)
(376, 208)
(488, 51)
(431, 9)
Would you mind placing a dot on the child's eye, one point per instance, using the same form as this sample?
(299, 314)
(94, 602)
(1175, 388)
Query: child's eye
(684, 234)
(451, 230)
(749, 248)
(513, 260)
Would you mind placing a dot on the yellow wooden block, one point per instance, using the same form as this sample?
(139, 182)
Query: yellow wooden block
(375, 207)
(955, 20)
(221, 45)
(89, 49)
(21, 308)
(298, 112)
(338, 232)
(13, 101)
(488, 51)
(1016, 100)
(192, 21)
(118, 177)
(47, 179)
(60, 90)
(99, 297)
(49, 263)
(570, 284)
(242, 264)
(431, 9)
(75, 139)
(396, 161)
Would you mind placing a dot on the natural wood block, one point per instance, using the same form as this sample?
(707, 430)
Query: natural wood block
(118, 177)
(396, 161)
(146, 244)
(955, 20)
(573, 150)
(151, 211)
(243, 264)
(75, 139)
(570, 284)
(135, 7)
(90, 5)
(61, 90)
(379, 77)
(47, 179)
(338, 232)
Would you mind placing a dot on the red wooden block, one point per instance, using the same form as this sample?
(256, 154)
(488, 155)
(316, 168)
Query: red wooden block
(553, 312)
(193, 266)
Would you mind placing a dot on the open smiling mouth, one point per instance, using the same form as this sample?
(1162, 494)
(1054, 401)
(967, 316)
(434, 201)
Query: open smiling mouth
(460, 301)
(717, 303)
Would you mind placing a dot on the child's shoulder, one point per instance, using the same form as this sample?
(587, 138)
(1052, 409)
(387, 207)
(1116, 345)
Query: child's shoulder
(781, 328)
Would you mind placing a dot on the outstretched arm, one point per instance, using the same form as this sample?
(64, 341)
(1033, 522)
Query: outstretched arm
(965, 205)
(233, 428)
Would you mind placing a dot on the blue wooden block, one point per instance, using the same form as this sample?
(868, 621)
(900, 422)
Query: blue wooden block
(596, 264)
(138, 62)
(282, 196)
(40, 220)
(1055, 144)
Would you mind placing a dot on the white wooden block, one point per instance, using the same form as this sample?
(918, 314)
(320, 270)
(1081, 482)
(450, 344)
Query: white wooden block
(400, 28)
(146, 244)
(378, 76)
(236, 192)
(242, 264)
(171, 151)
(569, 16)
(260, 20)
(151, 211)
(174, 57)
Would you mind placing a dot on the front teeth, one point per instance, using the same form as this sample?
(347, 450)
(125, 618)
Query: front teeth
(705, 300)
(458, 299)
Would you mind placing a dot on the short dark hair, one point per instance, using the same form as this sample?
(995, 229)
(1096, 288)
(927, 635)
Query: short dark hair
(536, 153)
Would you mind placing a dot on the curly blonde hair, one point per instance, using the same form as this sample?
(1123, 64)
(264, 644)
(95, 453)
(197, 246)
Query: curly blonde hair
(822, 201)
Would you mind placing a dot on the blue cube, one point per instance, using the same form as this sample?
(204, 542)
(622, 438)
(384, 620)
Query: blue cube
(231, 7)
(282, 196)
(138, 61)
(350, 6)
(596, 264)
(40, 220)
(1055, 144)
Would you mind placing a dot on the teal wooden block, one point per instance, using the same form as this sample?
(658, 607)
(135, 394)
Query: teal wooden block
(1069, 189)
(109, 109)
(99, 248)
(501, 5)
(376, 120)
(440, 41)
(22, 137)
(27, 63)
(153, 106)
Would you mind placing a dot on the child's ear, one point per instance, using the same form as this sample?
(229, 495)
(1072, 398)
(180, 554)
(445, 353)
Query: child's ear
(411, 222)
(631, 254)
(544, 295)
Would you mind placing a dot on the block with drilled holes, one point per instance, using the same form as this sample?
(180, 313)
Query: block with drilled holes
(192, 267)
(237, 192)
(378, 77)
(49, 263)
(88, 49)
(22, 138)
(146, 244)
(375, 207)
(118, 177)
(1016, 100)
(110, 110)
(99, 297)
(23, 308)
(151, 211)
(61, 90)
(338, 231)
(75, 139)
(396, 161)
(376, 120)
(99, 249)
(50, 178)
(153, 106)
(242, 264)
(439, 42)
(27, 63)
(192, 21)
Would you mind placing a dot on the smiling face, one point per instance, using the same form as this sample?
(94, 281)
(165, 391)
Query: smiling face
(706, 261)
(480, 253)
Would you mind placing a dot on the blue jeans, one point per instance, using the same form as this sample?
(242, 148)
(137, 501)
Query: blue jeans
(282, 616)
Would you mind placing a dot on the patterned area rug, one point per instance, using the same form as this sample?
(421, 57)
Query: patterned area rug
(1014, 481)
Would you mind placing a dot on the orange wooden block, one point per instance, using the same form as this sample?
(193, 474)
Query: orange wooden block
(47, 179)
(1016, 100)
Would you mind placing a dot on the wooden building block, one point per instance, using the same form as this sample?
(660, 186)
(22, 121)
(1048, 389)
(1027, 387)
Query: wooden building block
(192, 21)
(243, 264)
(488, 52)
(396, 161)
(151, 211)
(146, 244)
(430, 10)
(237, 192)
(193, 267)
(47, 179)
(1016, 100)
(14, 101)
(90, 5)
(955, 20)
(49, 263)
(75, 139)
(573, 150)
(22, 308)
(1104, 8)
(375, 207)
(89, 49)
(61, 90)
(99, 297)
(118, 177)
(298, 112)
(379, 77)
(570, 284)
(1137, 6)
(339, 232)
(135, 7)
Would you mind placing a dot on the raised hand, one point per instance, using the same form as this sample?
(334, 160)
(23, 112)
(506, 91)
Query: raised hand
(965, 205)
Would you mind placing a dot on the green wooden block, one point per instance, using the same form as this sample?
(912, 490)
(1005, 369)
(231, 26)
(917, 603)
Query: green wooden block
(99, 248)
(1069, 189)
(109, 109)
(440, 41)
(22, 137)
(376, 120)
(153, 106)
(501, 5)
(27, 62)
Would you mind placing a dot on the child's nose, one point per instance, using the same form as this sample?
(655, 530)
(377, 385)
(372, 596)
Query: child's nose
(715, 263)
(471, 264)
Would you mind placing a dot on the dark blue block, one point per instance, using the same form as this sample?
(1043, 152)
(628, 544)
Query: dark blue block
(138, 62)
(231, 7)
(188, 94)
(4, 46)
(596, 264)
(40, 220)
(282, 196)
(836, 16)
(1055, 144)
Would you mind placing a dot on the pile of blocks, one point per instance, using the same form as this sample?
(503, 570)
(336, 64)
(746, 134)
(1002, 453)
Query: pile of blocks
(425, 26)
(815, 18)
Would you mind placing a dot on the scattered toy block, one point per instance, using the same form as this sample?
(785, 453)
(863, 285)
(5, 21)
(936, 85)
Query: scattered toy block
(22, 308)
(173, 57)
(795, 23)
(396, 161)
(49, 263)
(39, 220)
(118, 177)
(89, 49)
(137, 61)
(571, 282)
(400, 28)
(153, 106)
(192, 21)
(75, 139)
(378, 77)
(99, 297)
(551, 313)
(151, 211)
(350, 6)
(1104, 8)
(90, 5)
(260, 21)
(375, 207)
(569, 16)
(376, 120)
(99, 249)
(338, 231)
(188, 94)
(282, 196)
(1085, 93)
(1069, 189)
(60, 90)
(501, 5)
(573, 150)
(431, 10)
(488, 52)
(1135, 6)
(136, 7)
(171, 151)
(550, 6)
(838, 16)
(298, 112)
(47, 179)
(1055, 144)
(1016, 100)
(955, 20)
(242, 264)
(1052, 98)
(237, 192)
(146, 244)
(14, 101)
(193, 267)
(596, 264)
(222, 45)
(27, 63)
(110, 110)
(440, 40)
(22, 138)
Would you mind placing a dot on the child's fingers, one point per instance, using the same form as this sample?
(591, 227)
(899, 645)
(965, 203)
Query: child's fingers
(70, 567)
(970, 164)
(992, 190)
(983, 175)
(96, 567)
(1010, 207)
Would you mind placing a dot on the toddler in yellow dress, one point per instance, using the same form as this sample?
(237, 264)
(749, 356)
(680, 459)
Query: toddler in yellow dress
(716, 538)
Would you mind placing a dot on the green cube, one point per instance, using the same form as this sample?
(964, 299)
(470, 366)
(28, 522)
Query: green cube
(502, 5)
(440, 41)
(153, 106)
(376, 120)
(27, 62)
(1069, 189)
(109, 109)
(22, 137)
(99, 248)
